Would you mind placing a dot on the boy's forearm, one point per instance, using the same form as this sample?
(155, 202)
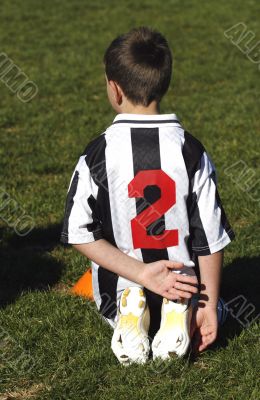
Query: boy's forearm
(156, 276)
(113, 259)
(210, 274)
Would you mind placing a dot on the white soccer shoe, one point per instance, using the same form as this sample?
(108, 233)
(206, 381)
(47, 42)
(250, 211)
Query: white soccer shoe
(173, 337)
(130, 341)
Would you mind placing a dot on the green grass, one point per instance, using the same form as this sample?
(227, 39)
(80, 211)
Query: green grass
(52, 345)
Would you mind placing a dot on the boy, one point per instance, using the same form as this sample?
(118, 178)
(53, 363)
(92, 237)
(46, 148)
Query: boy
(144, 193)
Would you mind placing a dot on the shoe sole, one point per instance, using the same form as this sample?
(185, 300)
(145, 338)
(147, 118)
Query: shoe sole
(133, 322)
(174, 330)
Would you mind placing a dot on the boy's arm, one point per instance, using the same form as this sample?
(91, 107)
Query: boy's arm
(210, 233)
(157, 276)
(205, 323)
(210, 274)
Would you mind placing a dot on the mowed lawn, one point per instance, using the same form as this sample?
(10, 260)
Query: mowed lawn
(53, 345)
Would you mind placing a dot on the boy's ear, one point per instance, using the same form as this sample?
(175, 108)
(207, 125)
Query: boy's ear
(117, 92)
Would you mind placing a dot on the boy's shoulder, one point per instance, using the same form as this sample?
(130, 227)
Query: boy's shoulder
(95, 144)
(192, 145)
(192, 152)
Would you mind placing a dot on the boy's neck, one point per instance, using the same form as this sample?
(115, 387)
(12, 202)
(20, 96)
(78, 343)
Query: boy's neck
(129, 108)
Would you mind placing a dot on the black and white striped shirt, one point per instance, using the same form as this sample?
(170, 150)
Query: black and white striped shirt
(149, 188)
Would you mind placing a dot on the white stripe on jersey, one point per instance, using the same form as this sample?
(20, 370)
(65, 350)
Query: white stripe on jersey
(119, 166)
(171, 140)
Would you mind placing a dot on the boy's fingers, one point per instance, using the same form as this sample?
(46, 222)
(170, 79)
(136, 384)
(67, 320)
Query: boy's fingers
(174, 294)
(186, 279)
(182, 294)
(207, 340)
(207, 330)
(170, 296)
(205, 343)
(202, 347)
(186, 288)
(173, 265)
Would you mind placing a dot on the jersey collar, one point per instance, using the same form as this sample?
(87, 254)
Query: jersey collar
(146, 119)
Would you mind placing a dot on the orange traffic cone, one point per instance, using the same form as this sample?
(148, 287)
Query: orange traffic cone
(84, 286)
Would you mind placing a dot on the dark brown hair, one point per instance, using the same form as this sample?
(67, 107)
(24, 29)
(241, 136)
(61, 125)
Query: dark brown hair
(140, 61)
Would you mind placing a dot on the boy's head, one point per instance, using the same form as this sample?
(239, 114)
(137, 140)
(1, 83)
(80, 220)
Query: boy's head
(139, 63)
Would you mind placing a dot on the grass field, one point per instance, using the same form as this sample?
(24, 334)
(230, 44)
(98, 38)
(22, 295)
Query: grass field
(52, 345)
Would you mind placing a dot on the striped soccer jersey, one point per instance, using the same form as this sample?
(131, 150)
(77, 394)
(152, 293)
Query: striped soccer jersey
(149, 188)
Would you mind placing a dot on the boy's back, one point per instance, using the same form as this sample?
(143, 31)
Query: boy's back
(150, 190)
(147, 187)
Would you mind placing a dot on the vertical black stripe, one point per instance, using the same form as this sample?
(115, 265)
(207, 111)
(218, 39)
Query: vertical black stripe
(95, 227)
(107, 280)
(146, 156)
(68, 207)
(192, 152)
(224, 221)
(198, 236)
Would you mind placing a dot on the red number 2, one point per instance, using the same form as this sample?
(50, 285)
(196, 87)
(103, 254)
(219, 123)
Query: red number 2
(140, 223)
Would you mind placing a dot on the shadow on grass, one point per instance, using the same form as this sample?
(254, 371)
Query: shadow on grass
(241, 291)
(25, 262)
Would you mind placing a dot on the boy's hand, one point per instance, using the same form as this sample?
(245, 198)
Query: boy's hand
(159, 278)
(204, 327)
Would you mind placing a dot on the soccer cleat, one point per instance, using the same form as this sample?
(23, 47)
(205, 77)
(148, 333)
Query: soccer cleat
(173, 337)
(130, 341)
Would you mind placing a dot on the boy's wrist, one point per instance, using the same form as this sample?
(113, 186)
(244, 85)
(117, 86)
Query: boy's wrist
(141, 277)
(207, 301)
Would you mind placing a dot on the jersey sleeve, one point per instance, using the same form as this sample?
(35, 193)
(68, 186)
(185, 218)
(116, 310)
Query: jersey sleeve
(209, 227)
(81, 224)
